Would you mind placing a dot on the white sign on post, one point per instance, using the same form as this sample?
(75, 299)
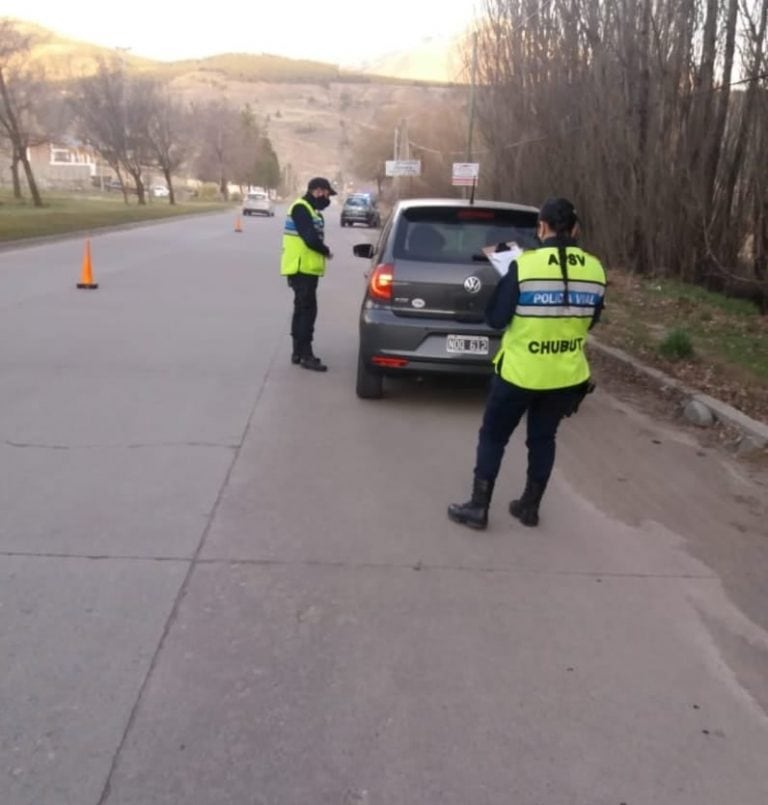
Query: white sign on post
(402, 167)
(465, 174)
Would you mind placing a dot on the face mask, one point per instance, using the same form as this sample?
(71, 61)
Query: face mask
(321, 203)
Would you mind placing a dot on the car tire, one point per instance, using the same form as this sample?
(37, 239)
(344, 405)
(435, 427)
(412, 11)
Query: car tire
(370, 384)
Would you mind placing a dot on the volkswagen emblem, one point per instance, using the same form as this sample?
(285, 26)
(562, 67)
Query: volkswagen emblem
(472, 285)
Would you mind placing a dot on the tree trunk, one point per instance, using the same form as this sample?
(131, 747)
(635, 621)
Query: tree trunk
(36, 199)
(18, 140)
(15, 178)
(169, 185)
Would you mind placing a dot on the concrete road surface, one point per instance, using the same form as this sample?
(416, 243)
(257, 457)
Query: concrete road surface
(224, 580)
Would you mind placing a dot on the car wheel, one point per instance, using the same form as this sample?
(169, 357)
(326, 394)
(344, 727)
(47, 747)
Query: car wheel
(370, 384)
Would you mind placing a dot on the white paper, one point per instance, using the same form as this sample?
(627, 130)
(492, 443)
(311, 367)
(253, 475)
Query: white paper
(501, 261)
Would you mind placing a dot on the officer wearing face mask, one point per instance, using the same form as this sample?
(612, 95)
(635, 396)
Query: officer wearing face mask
(303, 263)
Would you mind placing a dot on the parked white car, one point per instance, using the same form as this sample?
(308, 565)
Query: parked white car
(160, 191)
(258, 204)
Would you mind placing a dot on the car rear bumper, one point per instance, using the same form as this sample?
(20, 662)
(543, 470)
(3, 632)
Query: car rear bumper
(421, 344)
(358, 219)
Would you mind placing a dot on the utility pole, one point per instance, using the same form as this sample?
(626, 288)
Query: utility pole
(401, 149)
(405, 149)
(473, 79)
(471, 124)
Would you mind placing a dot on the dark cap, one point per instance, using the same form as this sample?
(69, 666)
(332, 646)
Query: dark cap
(320, 183)
(559, 213)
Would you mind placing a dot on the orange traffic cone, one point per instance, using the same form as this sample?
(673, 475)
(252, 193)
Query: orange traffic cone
(86, 273)
(238, 228)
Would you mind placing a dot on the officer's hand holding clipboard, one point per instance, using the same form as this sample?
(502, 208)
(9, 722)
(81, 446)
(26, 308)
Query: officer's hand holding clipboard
(502, 255)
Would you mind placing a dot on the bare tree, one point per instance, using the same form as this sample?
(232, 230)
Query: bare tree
(168, 135)
(20, 86)
(99, 106)
(218, 125)
(139, 106)
(115, 112)
(650, 113)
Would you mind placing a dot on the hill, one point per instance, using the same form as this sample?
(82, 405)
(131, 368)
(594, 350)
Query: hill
(435, 60)
(313, 111)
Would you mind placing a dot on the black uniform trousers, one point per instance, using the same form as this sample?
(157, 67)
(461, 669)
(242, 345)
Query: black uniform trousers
(304, 311)
(504, 409)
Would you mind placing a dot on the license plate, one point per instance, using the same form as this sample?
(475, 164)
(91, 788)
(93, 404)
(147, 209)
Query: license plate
(467, 344)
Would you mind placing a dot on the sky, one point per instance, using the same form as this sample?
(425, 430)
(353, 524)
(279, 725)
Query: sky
(344, 32)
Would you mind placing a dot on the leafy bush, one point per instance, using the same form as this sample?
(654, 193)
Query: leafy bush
(677, 345)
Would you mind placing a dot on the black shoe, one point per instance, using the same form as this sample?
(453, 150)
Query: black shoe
(526, 507)
(314, 364)
(296, 359)
(474, 513)
(526, 515)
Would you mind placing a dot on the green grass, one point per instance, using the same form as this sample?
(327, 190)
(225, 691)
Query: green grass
(677, 345)
(706, 300)
(727, 334)
(64, 214)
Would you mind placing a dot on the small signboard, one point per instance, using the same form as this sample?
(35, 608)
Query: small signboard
(465, 174)
(402, 167)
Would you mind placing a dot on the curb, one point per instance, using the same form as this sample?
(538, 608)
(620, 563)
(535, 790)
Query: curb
(754, 434)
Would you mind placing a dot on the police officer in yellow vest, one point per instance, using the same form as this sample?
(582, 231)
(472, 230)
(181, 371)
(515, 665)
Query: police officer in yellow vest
(546, 303)
(303, 263)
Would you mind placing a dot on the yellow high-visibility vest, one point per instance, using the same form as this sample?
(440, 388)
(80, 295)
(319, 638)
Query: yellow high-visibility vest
(543, 346)
(297, 257)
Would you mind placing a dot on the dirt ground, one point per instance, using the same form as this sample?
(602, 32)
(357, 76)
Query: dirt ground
(666, 403)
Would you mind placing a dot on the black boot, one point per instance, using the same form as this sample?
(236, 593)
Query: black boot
(296, 354)
(308, 360)
(314, 364)
(474, 513)
(526, 508)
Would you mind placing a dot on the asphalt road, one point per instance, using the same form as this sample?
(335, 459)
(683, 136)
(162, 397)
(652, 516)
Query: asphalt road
(225, 580)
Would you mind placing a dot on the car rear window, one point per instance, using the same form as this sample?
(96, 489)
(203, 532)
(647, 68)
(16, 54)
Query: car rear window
(458, 234)
(357, 202)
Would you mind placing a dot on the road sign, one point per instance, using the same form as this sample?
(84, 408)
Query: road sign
(465, 174)
(403, 167)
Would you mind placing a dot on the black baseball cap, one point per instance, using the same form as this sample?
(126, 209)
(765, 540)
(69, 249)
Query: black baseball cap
(321, 183)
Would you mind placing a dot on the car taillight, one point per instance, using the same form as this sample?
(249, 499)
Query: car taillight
(380, 283)
(389, 363)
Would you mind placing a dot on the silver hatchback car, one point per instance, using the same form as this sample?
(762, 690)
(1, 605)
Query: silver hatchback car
(428, 285)
(258, 204)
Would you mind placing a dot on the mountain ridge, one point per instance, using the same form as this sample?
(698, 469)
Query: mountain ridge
(434, 61)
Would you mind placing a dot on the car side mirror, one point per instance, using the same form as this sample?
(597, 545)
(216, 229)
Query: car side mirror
(363, 250)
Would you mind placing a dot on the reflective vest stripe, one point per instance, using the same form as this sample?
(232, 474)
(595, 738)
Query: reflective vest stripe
(551, 311)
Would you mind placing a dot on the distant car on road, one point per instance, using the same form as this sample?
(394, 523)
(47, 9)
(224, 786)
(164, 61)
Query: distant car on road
(160, 191)
(258, 204)
(360, 208)
(428, 285)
